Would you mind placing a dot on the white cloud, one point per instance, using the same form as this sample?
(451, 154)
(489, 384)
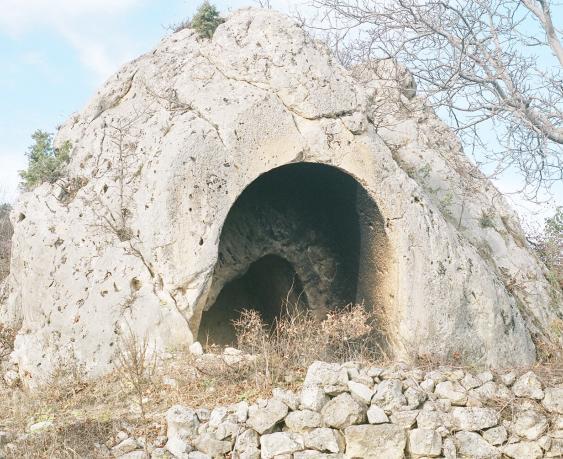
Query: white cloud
(18, 16)
(76, 21)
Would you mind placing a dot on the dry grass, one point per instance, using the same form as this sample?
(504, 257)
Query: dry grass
(137, 394)
(140, 390)
(297, 339)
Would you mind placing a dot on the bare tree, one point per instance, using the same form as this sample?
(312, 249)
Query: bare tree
(264, 4)
(494, 66)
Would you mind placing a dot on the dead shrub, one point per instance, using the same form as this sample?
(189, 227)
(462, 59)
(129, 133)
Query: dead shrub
(76, 440)
(7, 338)
(136, 365)
(297, 339)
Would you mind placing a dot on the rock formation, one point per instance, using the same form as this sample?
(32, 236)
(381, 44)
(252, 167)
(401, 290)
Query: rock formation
(208, 175)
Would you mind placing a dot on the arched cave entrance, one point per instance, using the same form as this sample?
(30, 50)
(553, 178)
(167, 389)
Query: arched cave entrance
(305, 235)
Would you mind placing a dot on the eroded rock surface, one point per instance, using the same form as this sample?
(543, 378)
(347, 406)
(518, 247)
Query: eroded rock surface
(130, 240)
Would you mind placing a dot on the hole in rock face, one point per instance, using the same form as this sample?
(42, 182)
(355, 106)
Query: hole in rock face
(303, 233)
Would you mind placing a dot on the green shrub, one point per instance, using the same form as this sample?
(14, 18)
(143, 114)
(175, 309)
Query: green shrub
(45, 163)
(205, 21)
(551, 246)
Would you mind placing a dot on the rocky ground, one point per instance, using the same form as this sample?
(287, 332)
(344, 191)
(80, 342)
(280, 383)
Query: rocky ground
(348, 410)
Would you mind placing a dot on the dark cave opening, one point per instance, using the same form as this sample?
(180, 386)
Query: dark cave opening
(302, 230)
(270, 286)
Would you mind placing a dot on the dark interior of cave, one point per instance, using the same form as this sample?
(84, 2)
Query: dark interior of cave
(304, 234)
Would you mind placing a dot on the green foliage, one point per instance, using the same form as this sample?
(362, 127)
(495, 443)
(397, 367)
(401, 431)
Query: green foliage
(487, 219)
(550, 247)
(45, 162)
(206, 20)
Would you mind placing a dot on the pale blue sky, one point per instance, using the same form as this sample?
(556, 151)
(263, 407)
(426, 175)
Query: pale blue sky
(55, 53)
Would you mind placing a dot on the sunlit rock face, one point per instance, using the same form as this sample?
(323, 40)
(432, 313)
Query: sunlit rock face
(209, 176)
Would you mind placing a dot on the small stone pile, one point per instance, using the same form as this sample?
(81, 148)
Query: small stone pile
(349, 411)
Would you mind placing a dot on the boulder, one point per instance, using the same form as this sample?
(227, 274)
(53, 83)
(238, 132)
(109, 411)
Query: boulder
(194, 128)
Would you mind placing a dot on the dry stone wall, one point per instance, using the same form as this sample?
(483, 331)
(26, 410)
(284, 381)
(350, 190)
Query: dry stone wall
(354, 411)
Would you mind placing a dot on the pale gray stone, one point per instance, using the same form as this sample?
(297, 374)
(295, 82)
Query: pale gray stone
(471, 445)
(40, 426)
(452, 391)
(474, 418)
(376, 415)
(182, 427)
(286, 396)
(264, 417)
(259, 96)
(449, 449)
(313, 454)
(326, 374)
(496, 435)
(207, 443)
(197, 455)
(360, 392)
(375, 441)
(428, 385)
(508, 378)
(389, 395)
(485, 376)
(429, 419)
(248, 440)
(523, 450)
(415, 397)
(325, 440)
(313, 397)
(126, 446)
(553, 400)
(405, 418)
(528, 385)
(528, 424)
(303, 420)
(471, 382)
(278, 443)
(343, 411)
(424, 443)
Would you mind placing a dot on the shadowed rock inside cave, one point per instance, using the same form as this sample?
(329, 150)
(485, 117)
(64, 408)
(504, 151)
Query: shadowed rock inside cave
(304, 235)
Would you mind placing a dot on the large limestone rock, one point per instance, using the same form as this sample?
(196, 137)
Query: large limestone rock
(141, 237)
